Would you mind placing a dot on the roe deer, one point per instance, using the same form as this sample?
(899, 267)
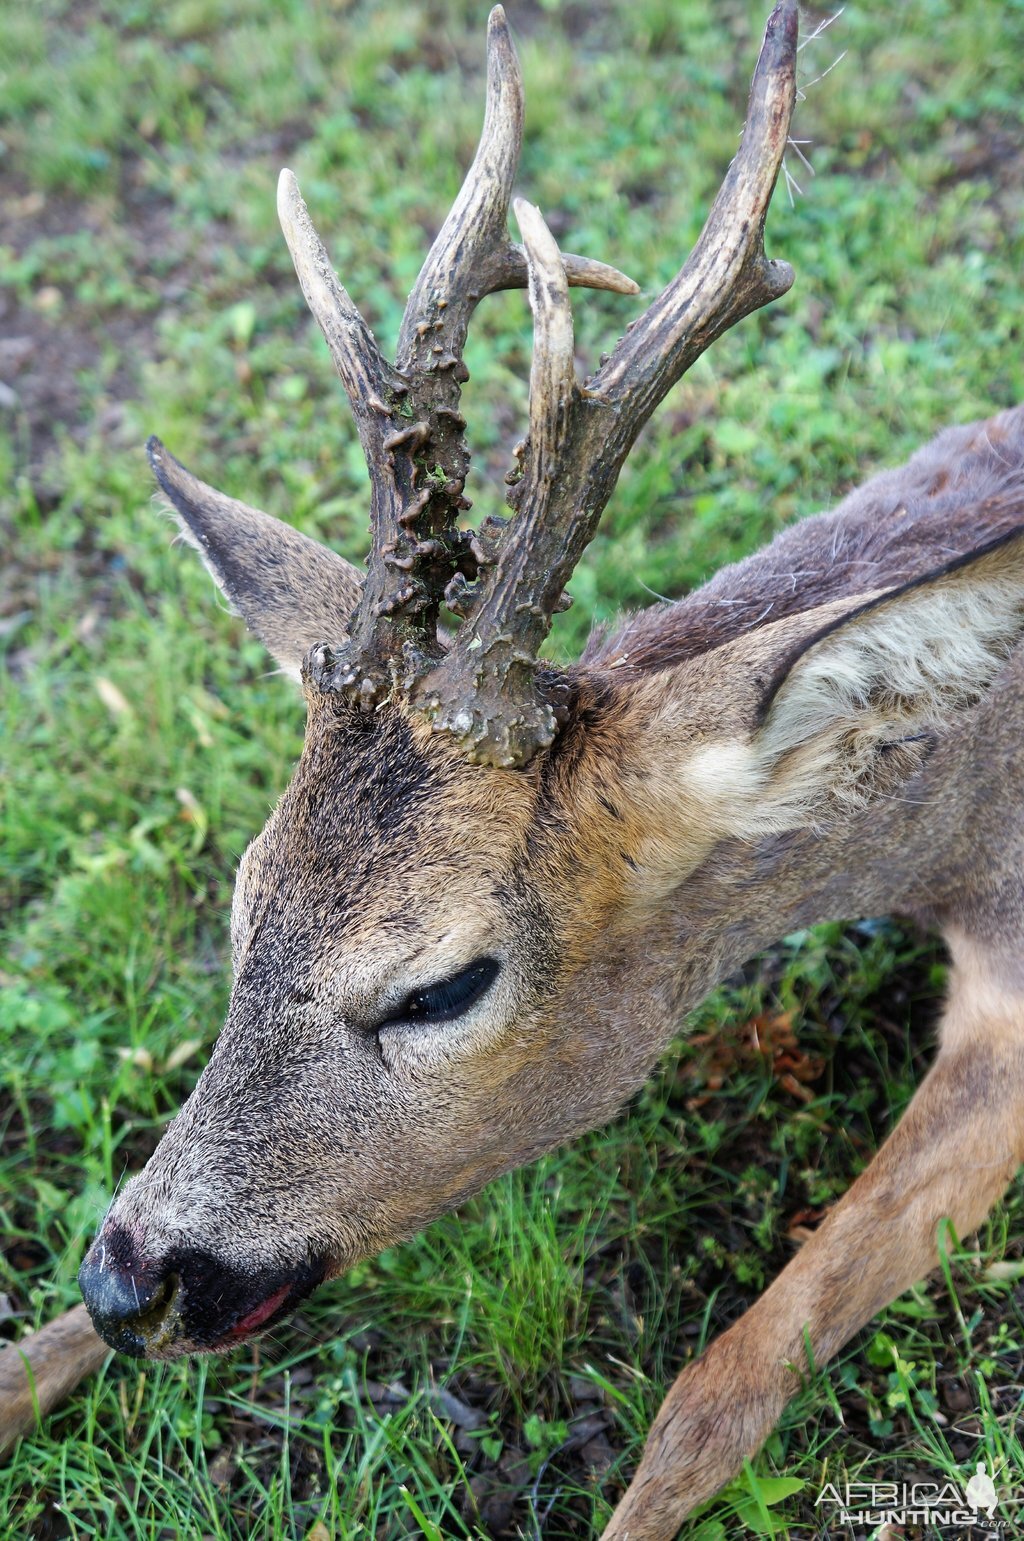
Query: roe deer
(494, 887)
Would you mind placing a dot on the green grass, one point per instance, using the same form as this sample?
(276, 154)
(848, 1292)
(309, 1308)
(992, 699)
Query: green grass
(142, 738)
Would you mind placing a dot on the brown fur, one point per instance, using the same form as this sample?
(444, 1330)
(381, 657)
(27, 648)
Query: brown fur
(40, 1370)
(952, 1155)
(709, 794)
(895, 527)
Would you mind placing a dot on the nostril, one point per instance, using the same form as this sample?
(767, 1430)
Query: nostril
(131, 1301)
(160, 1305)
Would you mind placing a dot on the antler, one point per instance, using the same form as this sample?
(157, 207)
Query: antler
(409, 418)
(488, 693)
(506, 580)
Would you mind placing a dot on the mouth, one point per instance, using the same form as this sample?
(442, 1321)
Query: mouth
(267, 1313)
(221, 1309)
(188, 1303)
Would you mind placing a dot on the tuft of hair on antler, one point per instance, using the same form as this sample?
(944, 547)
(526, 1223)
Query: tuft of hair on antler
(487, 690)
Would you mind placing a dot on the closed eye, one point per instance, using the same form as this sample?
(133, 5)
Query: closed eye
(448, 998)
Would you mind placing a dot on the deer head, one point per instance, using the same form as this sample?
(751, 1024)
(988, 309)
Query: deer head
(431, 914)
(492, 885)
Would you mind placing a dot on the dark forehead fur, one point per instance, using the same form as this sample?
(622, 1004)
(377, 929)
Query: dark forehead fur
(385, 835)
(351, 821)
(958, 493)
(360, 775)
(361, 789)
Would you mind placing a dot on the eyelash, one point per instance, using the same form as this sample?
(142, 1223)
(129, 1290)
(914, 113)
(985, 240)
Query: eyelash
(448, 998)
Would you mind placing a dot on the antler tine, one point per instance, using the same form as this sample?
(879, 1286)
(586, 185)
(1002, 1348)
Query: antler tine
(552, 371)
(531, 564)
(391, 593)
(472, 254)
(454, 275)
(580, 272)
(364, 372)
(727, 275)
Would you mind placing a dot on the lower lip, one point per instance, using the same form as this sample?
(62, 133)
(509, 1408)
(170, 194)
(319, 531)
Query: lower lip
(261, 1314)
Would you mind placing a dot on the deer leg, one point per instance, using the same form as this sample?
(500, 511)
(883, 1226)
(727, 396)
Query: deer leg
(951, 1157)
(37, 1373)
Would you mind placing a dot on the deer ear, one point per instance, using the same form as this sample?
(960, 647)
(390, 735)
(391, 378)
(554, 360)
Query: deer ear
(291, 591)
(852, 706)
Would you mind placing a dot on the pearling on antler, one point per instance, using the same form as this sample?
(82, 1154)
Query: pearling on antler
(488, 690)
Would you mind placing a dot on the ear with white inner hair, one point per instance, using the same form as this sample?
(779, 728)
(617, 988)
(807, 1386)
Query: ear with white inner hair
(852, 705)
(291, 591)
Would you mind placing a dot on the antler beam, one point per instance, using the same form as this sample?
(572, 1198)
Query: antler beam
(488, 693)
(504, 634)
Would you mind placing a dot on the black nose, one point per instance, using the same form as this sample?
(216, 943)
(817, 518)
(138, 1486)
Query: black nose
(131, 1299)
